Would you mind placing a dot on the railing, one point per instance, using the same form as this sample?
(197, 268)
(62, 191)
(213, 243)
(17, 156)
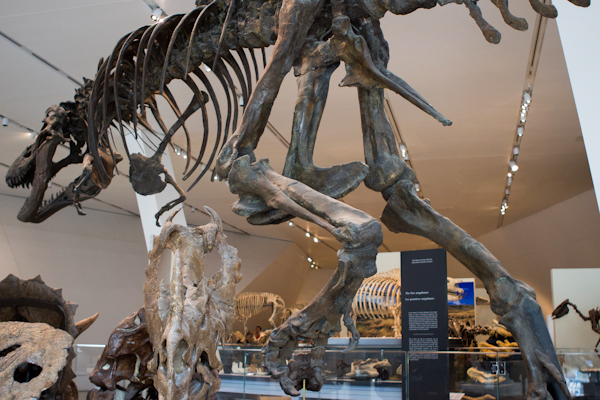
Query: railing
(381, 373)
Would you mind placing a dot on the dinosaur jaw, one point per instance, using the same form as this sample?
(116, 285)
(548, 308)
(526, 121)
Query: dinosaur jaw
(34, 168)
(39, 173)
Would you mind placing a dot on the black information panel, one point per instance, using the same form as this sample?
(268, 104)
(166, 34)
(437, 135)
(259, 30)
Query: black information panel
(425, 322)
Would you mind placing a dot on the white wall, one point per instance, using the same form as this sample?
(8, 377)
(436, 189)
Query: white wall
(580, 34)
(99, 260)
(582, 287)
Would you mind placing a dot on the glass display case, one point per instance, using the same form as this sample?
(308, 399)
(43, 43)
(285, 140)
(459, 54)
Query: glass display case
(377, 370)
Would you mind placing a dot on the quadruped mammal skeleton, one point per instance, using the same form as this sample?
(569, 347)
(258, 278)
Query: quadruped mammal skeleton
(313, 36)
(380, 296)
(249, 304)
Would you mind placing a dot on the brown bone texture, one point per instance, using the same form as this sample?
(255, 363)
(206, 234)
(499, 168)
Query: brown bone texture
(27, 347)
(188, 317)
(33, 301)
(125, 357)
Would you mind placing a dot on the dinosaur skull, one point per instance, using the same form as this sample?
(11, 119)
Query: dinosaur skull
(64, 123)
(35, 166)
(190, 316)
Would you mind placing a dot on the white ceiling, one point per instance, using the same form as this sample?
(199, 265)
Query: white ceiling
(439, 52)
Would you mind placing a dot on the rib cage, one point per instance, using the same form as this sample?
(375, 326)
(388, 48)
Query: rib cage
(249, 304)
(145, 61)
(379, 296)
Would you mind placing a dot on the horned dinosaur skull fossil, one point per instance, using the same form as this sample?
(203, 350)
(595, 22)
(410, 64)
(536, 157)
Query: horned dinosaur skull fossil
(38, 329)
(187, 318)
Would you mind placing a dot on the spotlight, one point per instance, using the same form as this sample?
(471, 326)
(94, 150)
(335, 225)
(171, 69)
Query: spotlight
(32, 135)
(207, 68)
(307, 234)
(309, 259)
(184, 156)
(509, 181)
(193, 209)
(157, 14)
(312, 266)
(5, 121)
(241, 101)
(49, 184)
(526, 98)
(516, 151)
(291, 224)
(510, 174)
(513, 165)
(417, 187)
(215, 178)
(507, 191)
(520, 131)
(315, 240)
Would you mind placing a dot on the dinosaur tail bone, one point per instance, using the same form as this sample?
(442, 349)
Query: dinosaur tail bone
(510, 298)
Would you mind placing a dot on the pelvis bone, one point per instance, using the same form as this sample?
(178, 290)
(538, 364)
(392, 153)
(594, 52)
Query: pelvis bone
(188, 317)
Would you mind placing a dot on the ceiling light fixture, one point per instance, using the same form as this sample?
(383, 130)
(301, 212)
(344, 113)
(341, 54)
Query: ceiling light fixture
(525, 103)
(307, 234)
(316, 240)
(5, 121)
(32, 134)
(520, 130)
(291, 224)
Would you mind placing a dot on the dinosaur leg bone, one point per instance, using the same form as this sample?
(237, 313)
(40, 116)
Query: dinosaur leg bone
(381, 154)
(336, 181)
(295, 19)
(512, 299)
(347, 46)
(312, 95)
(359, 234)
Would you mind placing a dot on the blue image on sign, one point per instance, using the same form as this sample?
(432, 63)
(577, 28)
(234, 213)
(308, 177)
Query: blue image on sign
(469, 295)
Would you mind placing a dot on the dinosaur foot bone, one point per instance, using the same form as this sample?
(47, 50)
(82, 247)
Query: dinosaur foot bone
(359, 234)
(318, 321)
(510, 298)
